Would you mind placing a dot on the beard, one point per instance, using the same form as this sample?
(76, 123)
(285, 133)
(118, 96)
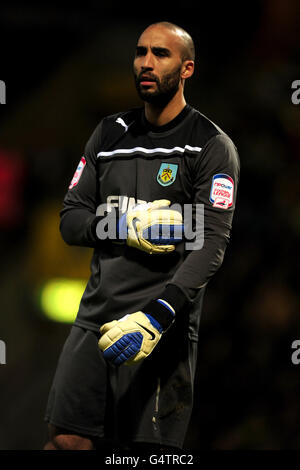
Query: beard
(166, 88)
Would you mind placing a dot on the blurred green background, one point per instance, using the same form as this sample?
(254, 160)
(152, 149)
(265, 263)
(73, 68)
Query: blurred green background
(67, 67)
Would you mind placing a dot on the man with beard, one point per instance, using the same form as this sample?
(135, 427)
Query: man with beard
(127, 369)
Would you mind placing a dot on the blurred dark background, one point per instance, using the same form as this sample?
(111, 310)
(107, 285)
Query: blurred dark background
(67, 67)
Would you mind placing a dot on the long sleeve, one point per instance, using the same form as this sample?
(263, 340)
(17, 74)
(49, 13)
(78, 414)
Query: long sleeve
(217, 164)
(80, 202)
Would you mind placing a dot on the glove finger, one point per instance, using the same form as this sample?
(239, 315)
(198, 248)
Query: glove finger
(163, 234)
(107, 326)
(126, 355)
(158, 203)
(166, 216)
(175, 217)
(161, 249)
(122, 349)
(112, 335)
(112, 350)
(140, 356)
(157, 249)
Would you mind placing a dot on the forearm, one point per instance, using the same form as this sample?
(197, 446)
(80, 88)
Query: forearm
(201, 265)
(76, 227)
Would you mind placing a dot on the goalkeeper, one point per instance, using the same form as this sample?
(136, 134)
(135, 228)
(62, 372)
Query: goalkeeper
(126, 372)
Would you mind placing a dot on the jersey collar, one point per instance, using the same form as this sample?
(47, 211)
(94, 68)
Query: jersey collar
(170, 125)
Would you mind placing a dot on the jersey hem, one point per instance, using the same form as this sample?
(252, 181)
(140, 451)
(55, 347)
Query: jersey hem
(75, 428)
(101, 435)
(87, 325)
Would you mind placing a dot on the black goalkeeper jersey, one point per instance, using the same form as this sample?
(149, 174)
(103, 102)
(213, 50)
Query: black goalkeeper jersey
(189, 161)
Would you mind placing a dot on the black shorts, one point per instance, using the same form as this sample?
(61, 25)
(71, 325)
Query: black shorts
(150, 402)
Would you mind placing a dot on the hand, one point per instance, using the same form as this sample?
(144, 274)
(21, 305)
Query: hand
(152, 227)
(130, 339)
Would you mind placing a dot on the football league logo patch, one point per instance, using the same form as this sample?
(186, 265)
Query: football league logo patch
(221, 193)
(167, 173)
(78, 173)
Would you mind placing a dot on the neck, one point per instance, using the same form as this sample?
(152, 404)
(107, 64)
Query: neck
(161, 115)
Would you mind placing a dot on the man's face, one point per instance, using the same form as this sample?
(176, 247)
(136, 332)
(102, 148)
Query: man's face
(157, 65)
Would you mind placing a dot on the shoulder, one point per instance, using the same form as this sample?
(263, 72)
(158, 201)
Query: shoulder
(110, 128)
(210, 131)
(218, 151)
(122, 118)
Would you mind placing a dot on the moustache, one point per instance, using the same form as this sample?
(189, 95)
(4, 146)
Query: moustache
(147, 76)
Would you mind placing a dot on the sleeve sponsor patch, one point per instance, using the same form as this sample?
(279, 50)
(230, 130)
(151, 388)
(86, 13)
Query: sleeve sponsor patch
(78, 173)
(221, 193)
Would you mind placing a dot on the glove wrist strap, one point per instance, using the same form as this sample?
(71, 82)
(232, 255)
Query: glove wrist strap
(171, 301)
(161, 311)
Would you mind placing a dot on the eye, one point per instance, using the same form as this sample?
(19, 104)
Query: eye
(161, 52)
(140, 51)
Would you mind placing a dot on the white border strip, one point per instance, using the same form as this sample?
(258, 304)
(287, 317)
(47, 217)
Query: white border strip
(149, 151)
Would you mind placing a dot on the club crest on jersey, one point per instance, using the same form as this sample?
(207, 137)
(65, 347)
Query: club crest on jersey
(167, 173)
(221, 193)
(78, 173)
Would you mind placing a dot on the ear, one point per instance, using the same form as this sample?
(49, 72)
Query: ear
(188, 67)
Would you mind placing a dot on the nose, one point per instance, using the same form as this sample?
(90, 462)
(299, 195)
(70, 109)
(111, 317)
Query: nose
(147, 63)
